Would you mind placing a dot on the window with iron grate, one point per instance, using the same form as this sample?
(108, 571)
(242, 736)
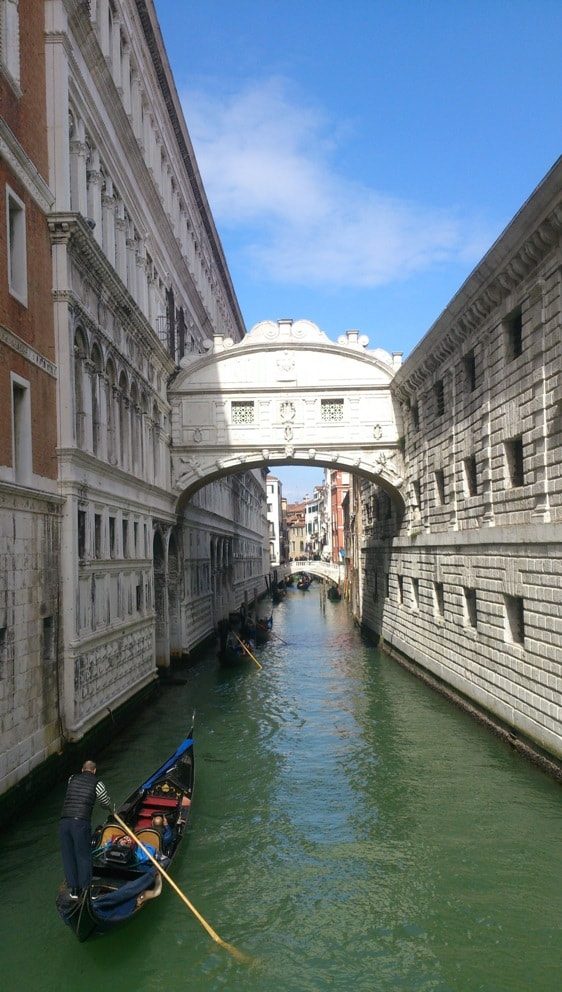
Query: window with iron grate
(332, 411)
(242, 411)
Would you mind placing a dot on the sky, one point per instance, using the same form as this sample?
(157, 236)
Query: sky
(360, 156)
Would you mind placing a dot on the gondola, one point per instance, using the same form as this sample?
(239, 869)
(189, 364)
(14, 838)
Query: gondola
(334, 594)
(123, 880)
(232, 653)
(262, 629)
(304, 582)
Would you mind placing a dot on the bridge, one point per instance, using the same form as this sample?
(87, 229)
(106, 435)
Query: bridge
(285, 394)
(327, 570)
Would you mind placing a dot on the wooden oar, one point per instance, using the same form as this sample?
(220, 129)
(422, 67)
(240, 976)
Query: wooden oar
(239, 955)
(279, 638)
(246, 649)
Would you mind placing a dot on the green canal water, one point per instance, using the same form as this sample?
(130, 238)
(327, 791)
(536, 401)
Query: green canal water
(351, 830)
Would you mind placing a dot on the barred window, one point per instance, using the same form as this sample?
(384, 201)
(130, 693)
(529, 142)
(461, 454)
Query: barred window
(514, 620)
(332, 411)
(242, 411)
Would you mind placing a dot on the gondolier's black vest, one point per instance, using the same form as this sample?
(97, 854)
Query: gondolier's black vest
(80, 796)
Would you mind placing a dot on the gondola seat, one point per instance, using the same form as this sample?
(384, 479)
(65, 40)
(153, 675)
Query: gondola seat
(110, 833)
(149, 836)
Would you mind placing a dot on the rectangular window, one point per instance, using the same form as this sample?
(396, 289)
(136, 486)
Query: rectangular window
(415, 412)
(125, 542)
(139, 597)
(514, 462)
(470, 477)
(10, 40)
(47, 640)
(513, 335)
(439, 487)
(415, 594)
(416, 491)
(375, 586)
(439, 392)
(331, 411)
(81, 534)
(400, 589)
(97, 535)
(438, 600)
(470, 371)
(242, 411)
(387, 585)
(514, 620)
(470, 615)
(21, 430)
(135, 539)
(112, 537)
(16, 243)
(3, 649)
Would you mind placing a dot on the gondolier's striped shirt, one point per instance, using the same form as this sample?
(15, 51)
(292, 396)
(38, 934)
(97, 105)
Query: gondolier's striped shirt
(102, 795)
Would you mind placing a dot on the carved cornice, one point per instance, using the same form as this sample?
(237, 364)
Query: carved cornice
(72, 230)
(512, 261)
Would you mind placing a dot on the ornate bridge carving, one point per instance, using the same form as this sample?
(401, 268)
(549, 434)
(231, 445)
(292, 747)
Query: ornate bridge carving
(286, 394)
(324, 569)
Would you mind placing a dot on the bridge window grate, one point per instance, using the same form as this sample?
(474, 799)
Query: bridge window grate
(332, 411)
(242, 411)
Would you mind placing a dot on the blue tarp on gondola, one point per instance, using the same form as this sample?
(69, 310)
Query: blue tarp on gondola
(168, 764)
(121, 903)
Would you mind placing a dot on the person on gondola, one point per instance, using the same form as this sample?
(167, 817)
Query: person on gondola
(75, 830)
(161, 825)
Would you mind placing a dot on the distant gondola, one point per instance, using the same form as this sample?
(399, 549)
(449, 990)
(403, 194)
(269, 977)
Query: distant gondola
(304, 582)
(232, 651)
(262, 630)
(334, 594)
(123, 880)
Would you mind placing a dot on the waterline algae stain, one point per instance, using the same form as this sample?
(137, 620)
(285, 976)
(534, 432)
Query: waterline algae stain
(351, 830)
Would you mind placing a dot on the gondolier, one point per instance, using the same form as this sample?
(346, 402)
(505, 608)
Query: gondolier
(75, 830)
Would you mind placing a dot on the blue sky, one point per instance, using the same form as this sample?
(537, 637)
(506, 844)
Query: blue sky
(361, 156)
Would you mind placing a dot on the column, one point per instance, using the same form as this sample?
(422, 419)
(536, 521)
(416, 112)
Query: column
(136, 103)
(126, 76)
(115, 43)
(141, 278)
(88, 370)
(131, 261)
(108, 221)
(78, 180)
(103, 442)
(121, 241)
(103, 27)
(94, 179)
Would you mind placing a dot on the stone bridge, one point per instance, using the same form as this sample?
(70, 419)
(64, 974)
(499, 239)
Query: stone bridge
(327, 570)
(286, 394)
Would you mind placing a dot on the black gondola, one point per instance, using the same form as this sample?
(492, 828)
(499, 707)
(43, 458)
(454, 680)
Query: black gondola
(334, 594)
(123, 880)
(262, 629)
(304, 582)
(232, 652)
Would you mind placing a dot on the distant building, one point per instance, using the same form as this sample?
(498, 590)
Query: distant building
(275, 519)
(338, 483)
(296, 530)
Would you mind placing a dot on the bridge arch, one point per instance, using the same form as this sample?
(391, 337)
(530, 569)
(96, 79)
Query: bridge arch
(286, 395)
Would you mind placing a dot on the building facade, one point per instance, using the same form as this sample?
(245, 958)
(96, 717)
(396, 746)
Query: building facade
(468, 582)
(29, 500)
(125, 277)
(275, 519)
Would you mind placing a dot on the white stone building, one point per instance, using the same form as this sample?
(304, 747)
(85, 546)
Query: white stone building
(140, 280)
(468, 583)
(274, 518)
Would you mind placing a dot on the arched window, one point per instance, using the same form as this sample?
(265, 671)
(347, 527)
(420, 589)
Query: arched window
(110, 403)
(124, 420)
(95, 385)
(135, 431)
(155, 442)
(80, 356)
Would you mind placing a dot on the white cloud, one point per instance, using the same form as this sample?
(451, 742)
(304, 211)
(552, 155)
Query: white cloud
(267, 164)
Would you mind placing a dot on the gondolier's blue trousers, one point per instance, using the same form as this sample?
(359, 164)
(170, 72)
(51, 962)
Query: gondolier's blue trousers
(76, 850)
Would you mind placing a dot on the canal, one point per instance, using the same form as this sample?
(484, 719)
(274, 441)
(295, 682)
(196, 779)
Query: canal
(351, 830)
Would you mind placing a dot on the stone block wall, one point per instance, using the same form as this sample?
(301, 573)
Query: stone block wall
(29, 597)
(468, 583)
